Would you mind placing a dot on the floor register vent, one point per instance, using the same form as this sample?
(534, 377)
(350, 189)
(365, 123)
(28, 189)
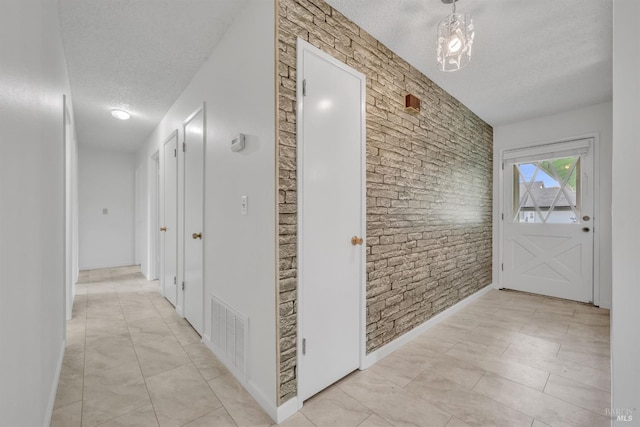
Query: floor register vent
(229, 334)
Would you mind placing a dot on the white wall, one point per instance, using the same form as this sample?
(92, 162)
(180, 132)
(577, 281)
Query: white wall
(237, 84)
(594, 119)
(106, 180)
(625, 339)
(33, 79)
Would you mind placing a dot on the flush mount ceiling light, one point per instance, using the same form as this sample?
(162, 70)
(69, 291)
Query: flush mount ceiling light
(455, 39)
(120, 114)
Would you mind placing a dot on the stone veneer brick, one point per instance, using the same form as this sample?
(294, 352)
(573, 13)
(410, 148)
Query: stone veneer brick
(429, 185)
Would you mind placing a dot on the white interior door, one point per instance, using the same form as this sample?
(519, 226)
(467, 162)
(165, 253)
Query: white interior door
(548, 220)
(169, 219)
(331, 183)
(194, 137)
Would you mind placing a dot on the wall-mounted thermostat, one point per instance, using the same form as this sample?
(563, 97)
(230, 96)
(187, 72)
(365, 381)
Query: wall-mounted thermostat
(237, 143)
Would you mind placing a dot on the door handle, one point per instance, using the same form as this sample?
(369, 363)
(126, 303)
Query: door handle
(355, 240)
(197, 236)
(163, 228)
(586, 229)
(586, 218)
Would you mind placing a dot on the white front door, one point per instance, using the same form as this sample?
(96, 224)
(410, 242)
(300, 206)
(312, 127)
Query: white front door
(331, 206)
(548, 220)
(194, 138)
(169, 219)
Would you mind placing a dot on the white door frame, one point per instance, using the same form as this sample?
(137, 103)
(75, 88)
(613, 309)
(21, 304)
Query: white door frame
(301, 47)
(162, 195)
(596, 206)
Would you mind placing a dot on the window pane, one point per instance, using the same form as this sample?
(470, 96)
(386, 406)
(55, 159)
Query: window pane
(546, 191)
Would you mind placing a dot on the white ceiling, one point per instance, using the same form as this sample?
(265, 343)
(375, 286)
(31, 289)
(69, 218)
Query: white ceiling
(138, 55)
(531, 57)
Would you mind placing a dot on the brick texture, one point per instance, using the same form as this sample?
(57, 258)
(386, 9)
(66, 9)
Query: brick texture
(429, 185)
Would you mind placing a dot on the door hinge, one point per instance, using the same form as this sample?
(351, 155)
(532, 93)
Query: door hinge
(304, 87)
(304, 346)
(502, 267)
(503, 217)
(502, 165)
(184, 147)
(175, 153)
(175, 280)
(183, 285)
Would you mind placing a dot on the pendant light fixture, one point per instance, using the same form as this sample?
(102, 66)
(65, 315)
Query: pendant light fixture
(455, 39)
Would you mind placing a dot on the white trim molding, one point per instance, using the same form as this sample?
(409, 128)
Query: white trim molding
(54, 386)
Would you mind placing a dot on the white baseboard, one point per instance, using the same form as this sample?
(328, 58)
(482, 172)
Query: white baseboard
(54, 386)
(379, 354)
(180, 311)
(287, 409)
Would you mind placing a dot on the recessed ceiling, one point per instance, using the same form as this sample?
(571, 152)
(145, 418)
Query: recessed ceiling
(135, 55)
(530, 57)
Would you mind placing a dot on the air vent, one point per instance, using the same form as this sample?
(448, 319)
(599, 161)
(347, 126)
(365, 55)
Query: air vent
(229, 335)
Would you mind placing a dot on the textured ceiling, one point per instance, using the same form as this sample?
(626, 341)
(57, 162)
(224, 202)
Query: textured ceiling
(530, 57)
(138, 55)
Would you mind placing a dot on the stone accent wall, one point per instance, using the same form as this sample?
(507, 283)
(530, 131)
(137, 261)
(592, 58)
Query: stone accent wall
(429, 185)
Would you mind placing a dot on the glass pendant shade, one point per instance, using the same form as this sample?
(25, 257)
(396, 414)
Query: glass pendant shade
(455, 40)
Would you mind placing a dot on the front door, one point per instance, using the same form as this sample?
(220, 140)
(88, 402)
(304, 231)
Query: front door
(331, 183)
(548, 220)
(194, 138)
(169, 219)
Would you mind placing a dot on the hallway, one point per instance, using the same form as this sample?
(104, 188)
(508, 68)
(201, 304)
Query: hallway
(508, 359)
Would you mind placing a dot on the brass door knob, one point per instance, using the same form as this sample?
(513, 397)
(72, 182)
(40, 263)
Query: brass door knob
(355, 240)
(163, 228)
(197, 235)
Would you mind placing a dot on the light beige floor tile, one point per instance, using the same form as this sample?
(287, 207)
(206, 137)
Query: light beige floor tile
(506, 368)
(589, 319)
(218, 418)
(597, 333)
(524, 340)
(562, 367)
(467, 405)
(400, 367)
(69, 386)
(180, 396)
(98, 329)
(588, 359)
(392, 402)
(109, 352)
(579, 394)
(184, 333)
(539, 405)
(455, 422)
(113, 392)
(141, 417)
(463, 373)
(593, 347)
(67, 416)
(147, 330)
(486, 344)
(206, 362)
(537, 423)
(374, 420)
(244, 410)
(297, 420)
(160, 355)
(333, 407)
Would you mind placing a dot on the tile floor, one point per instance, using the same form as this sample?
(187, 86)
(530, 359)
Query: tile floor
(508, 359)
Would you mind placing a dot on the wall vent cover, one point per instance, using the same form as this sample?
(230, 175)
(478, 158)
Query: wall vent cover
(229, 334)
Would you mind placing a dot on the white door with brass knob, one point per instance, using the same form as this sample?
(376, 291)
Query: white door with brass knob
(548, 223)
(331, 241)
(193, 282)
(169, 220)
